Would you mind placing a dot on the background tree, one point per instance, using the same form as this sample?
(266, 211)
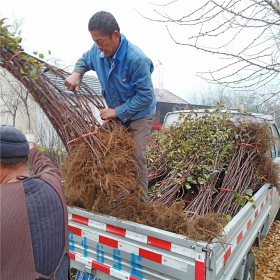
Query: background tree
(15, 103)
(234, 99)
(243, 33)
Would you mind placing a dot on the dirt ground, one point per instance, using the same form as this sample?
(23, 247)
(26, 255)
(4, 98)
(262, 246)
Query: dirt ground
(267, 257)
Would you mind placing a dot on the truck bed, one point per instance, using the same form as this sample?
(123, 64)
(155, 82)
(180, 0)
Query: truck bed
(116, 249)
(129, 250)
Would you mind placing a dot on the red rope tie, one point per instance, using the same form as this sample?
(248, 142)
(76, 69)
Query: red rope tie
(264, 177)
(163, 182)
(7, 64)
(152, 175)
(225, 190)
(84, 135)
(246, 144)
(191, 212)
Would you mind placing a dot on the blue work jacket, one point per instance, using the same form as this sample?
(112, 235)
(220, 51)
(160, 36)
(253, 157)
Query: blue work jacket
(126, 83)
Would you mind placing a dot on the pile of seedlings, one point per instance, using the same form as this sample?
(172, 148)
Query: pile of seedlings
(202, 169)
(210, 162)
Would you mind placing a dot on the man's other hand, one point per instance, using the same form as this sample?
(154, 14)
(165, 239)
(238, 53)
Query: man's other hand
(73, 81)
(107, 113)
(31, 139)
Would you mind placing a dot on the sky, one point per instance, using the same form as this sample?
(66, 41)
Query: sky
(61, 27)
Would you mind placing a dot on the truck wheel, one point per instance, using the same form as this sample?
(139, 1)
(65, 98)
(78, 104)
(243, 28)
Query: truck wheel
(249, 273)
(277, 217)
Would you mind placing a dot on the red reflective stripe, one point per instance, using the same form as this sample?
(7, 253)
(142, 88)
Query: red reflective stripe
(239, 237)
(249, 224)
(226, 256)
(72, 255)
(266, 198)
(116, 230)
(79, 219)
(74, 230)
(228, 252)
(271, 192)
(150, 255)
(262, 205)
(199, 270)
(256, 213)
(108, 241)
(100, 267)
(133, 278)
(159, 243)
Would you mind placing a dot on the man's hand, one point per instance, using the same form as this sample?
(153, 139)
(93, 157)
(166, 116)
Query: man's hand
(31, 145)
(73, 81)
(31, 139)
(107, 113)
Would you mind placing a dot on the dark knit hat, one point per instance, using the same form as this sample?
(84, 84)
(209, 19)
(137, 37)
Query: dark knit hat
(13, 142)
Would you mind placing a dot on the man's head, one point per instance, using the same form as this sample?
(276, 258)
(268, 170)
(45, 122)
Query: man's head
(105, 32)
(14, 149)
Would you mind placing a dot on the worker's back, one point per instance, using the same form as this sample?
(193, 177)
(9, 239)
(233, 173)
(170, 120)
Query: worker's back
(46, 222)
(34, 227)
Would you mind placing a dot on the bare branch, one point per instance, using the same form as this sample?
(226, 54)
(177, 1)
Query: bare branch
(164, 4)
(275, 7)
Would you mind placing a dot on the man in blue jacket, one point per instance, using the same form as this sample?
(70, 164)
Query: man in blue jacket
(124, 72)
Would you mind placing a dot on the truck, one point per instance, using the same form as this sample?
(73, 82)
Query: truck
(104, 247)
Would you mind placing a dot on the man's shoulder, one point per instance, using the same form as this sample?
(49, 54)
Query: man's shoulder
(135, 53)
(34, 185)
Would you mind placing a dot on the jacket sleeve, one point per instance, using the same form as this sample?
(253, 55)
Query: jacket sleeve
(43, 167)
(85, 63)
(144, 92)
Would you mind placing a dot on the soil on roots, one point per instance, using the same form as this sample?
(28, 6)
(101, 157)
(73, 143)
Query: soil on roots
(173, 219)
(105, 185)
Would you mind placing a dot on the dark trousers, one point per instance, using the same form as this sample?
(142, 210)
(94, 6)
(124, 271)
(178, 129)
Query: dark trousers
(142, 128)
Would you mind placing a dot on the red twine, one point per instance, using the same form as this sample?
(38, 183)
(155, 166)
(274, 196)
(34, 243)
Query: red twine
(152, 175)
(225, 190)
(264, 178)
(7, 64)
(246, 144)
(84, 135)
(191, 212)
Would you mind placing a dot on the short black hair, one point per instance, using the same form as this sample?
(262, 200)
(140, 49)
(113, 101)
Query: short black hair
(12, 162)
(103, 22)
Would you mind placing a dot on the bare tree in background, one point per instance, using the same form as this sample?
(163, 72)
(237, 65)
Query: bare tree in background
(245, 34)
(15, 102)
(232, 99)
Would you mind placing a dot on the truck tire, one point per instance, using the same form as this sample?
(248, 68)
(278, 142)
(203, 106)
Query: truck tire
(249, 273)
(277, 217)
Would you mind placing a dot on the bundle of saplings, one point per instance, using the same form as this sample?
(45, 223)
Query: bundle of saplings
(210, 162)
